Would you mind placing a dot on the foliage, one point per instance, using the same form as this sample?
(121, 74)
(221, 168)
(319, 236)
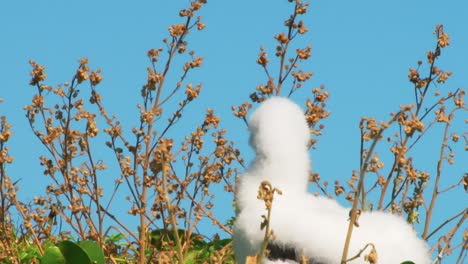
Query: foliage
(69, 252)
(170, 180)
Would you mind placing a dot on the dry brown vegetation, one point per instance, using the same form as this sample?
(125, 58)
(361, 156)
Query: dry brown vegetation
(169, 180)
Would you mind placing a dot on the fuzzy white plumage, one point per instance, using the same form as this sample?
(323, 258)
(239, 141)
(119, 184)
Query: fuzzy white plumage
(313, 226)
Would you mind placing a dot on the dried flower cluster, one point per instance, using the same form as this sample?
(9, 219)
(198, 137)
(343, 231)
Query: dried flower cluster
(405, 188)
(169, 180)
(289, 73)
(316, 112)
(266, 193)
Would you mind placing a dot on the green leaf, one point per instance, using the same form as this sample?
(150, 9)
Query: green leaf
(408, 262)
(93, 250)
(220, 243)
(159, 236)
(114, 238)
(73, 253)
(28, 254)
(192, 256)
(201, 250)
(52, 255)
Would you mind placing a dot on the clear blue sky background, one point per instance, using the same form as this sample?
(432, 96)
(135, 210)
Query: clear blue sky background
(361, 51)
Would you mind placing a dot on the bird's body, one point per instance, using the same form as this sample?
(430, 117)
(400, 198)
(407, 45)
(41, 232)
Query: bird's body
(308, 225)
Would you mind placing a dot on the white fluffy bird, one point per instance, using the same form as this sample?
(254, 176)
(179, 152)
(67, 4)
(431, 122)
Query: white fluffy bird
(304, 224)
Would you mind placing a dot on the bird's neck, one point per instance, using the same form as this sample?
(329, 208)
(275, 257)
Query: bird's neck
(284, 169)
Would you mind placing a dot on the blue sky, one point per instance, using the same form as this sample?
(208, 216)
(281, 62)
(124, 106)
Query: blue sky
(361, 51)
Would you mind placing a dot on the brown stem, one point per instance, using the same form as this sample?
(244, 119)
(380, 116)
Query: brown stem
(95, 194)
(360, 188)
(360, 252)
(281, 78)
(207, 214)
(464, 212)
(36, 241)
(447, 238)
(435, 191)
(172, 217)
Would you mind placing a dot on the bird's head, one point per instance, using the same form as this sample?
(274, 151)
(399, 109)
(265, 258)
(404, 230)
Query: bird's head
(278, 129)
